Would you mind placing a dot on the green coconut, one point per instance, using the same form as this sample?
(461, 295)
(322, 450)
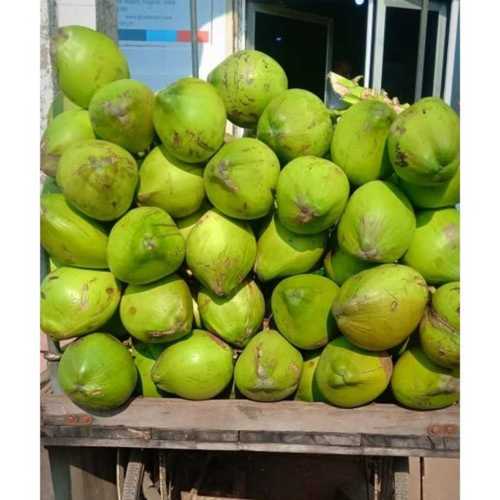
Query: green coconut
(86, 60)
(185, 224)
(63, 131)
(340, 265)
(420, 384)
(435, 248)
(99, 178)
(379, 308)
(440, 196)
(296, 123)
(97, 372)
(311, 196)
(197, 367)
(269, 368)
(235, 318)
(69, 236)
(159, 312)
(122, 112)
(144, 246)
(171, 184)
(220, 252)
(281, 253)
(308, 389)
(424, 142)
(247, 80)
(446, 302)
(190, 119)
(378, 223)
(348, 376)
(75, 301)
(240, 180)
(145, 356)
(440, 327)
(59, 105)
(359, 144)
(301, 308)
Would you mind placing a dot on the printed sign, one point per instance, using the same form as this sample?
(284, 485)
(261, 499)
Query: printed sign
(155, 35)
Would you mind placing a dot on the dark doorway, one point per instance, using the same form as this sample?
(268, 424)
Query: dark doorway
(301, 45)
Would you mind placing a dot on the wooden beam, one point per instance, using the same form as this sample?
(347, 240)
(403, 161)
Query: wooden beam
(287, 426)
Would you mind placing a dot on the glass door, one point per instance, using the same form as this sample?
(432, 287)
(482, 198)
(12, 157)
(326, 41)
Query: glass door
(409, 48)
(301, 42)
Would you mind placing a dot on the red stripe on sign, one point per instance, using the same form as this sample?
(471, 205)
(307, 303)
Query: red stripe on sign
(203, 36)
(185, 36)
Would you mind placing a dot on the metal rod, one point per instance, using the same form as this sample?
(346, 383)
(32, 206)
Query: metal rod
(424, 15)
(378, 56)
(368, 49)
(439, 57)
(194, 38)
(450, 56)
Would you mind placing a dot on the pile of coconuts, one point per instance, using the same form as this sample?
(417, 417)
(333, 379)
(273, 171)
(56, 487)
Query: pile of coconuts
(315, 258)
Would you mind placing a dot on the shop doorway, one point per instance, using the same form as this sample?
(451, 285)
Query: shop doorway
(406, 47)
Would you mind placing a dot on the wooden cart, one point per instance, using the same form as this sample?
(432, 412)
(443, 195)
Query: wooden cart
(377, 430)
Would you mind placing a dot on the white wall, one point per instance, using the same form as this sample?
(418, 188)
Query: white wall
(82, 12)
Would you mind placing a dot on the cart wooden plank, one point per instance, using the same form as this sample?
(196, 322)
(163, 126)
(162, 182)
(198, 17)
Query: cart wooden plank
(286, 426)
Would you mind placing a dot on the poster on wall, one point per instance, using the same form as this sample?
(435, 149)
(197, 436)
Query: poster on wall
(155, 36)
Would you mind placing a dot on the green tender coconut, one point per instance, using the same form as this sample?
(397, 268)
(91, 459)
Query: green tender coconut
(159, 312)
(359, 144)
(75, 301)
(446, 301)
(63, 131)
(145, 356)
(424, 142)
(220, 252)
(185, 224)
(86, 60)
(435, 248)
(240, 180)
(97, 372)
(348, 376)
(197, 367)
(312, 194)
(308, 389)
(171, 184)
(378, 223)
(99, 178)
(440, 196)
(282, 253)
(69, 236)
(269, 368)
(440, 327)
(122, 112)
(420, 384)
(235, 318)
(144, 246)
(340, 265)
(296, 123)
(379, 308)
(247, 80)
(301, 308)
(190, 119)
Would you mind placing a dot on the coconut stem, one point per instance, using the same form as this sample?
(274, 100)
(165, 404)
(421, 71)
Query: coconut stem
(351, 93)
